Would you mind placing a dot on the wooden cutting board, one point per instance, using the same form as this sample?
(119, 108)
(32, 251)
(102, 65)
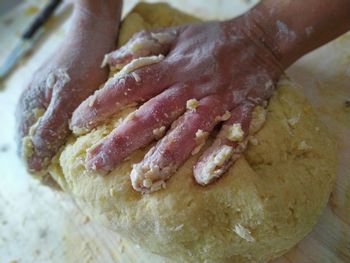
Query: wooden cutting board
(40, 225)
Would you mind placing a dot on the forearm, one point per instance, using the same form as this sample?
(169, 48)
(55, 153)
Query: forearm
(106, 9)
(101, 17)
(294, 27)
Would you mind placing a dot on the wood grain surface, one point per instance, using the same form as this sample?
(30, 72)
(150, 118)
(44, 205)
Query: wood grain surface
(40, 225)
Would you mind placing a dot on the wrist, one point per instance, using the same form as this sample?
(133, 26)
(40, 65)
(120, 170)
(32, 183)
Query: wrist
(100, 18)
(109, 10)
(263, 26)
(293, 28)
(245, 32)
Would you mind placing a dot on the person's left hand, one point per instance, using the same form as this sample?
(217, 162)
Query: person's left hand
(66, 79)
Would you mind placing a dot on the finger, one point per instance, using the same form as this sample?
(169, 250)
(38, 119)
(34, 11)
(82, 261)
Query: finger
(32, 103)
(229, 143)
(142, 44)
(120, 91)
(146, 124)
(191, 131)
(50, 130)
(49, 134)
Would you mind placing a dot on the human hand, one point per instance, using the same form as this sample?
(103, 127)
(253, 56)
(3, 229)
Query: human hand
(191, 78)
(63, 82)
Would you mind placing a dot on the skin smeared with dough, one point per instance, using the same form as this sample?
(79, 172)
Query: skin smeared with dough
(261, 207)
(66, 79)
(229, 144)
(126, 75)
(144, 44)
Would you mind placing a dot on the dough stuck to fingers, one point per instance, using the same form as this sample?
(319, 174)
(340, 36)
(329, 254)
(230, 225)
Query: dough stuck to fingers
(230, 143)
(257, 210)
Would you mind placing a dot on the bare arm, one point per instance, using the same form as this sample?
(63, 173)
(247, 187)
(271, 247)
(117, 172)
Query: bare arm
(104, 9)
(68, 77)
(294, 28)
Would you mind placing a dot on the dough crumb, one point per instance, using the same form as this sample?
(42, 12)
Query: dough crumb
(50, 81)
(38, 112)
(303, 146)
(224, 117)
(147, 183)
(258, 119)
(201, 138)
(235, 132)
(27, 147)
(112, 192)
(141, 44)
(309, 30)
(104, 61)
(221, 156)
(80, 131)
(177, 228)
(136, 77)
(155, 187)
(130, 116)
(214, 164)
(92, 101)
(243, 233)
(192, 104)
(146, 178)
(139, 63)
(164, 38)
(159, 132)
(60, 76)
(269, 85)
(294, 120)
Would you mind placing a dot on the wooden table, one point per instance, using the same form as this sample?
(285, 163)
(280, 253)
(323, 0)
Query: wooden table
(40, 225)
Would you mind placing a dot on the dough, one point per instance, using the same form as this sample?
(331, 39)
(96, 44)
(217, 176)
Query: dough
(268, 201)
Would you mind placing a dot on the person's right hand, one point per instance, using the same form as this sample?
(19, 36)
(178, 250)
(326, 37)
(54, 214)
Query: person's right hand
(220, 69)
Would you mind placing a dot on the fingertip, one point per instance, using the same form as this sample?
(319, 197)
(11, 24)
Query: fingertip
(97, 161)
(212, 164)
(76, 123)
(92, 159)
(228, 146)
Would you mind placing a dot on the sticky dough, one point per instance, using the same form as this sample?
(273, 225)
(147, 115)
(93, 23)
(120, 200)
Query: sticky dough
(268, 200)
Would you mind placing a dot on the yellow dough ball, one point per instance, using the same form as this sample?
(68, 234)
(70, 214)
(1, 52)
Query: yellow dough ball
(263, 205)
